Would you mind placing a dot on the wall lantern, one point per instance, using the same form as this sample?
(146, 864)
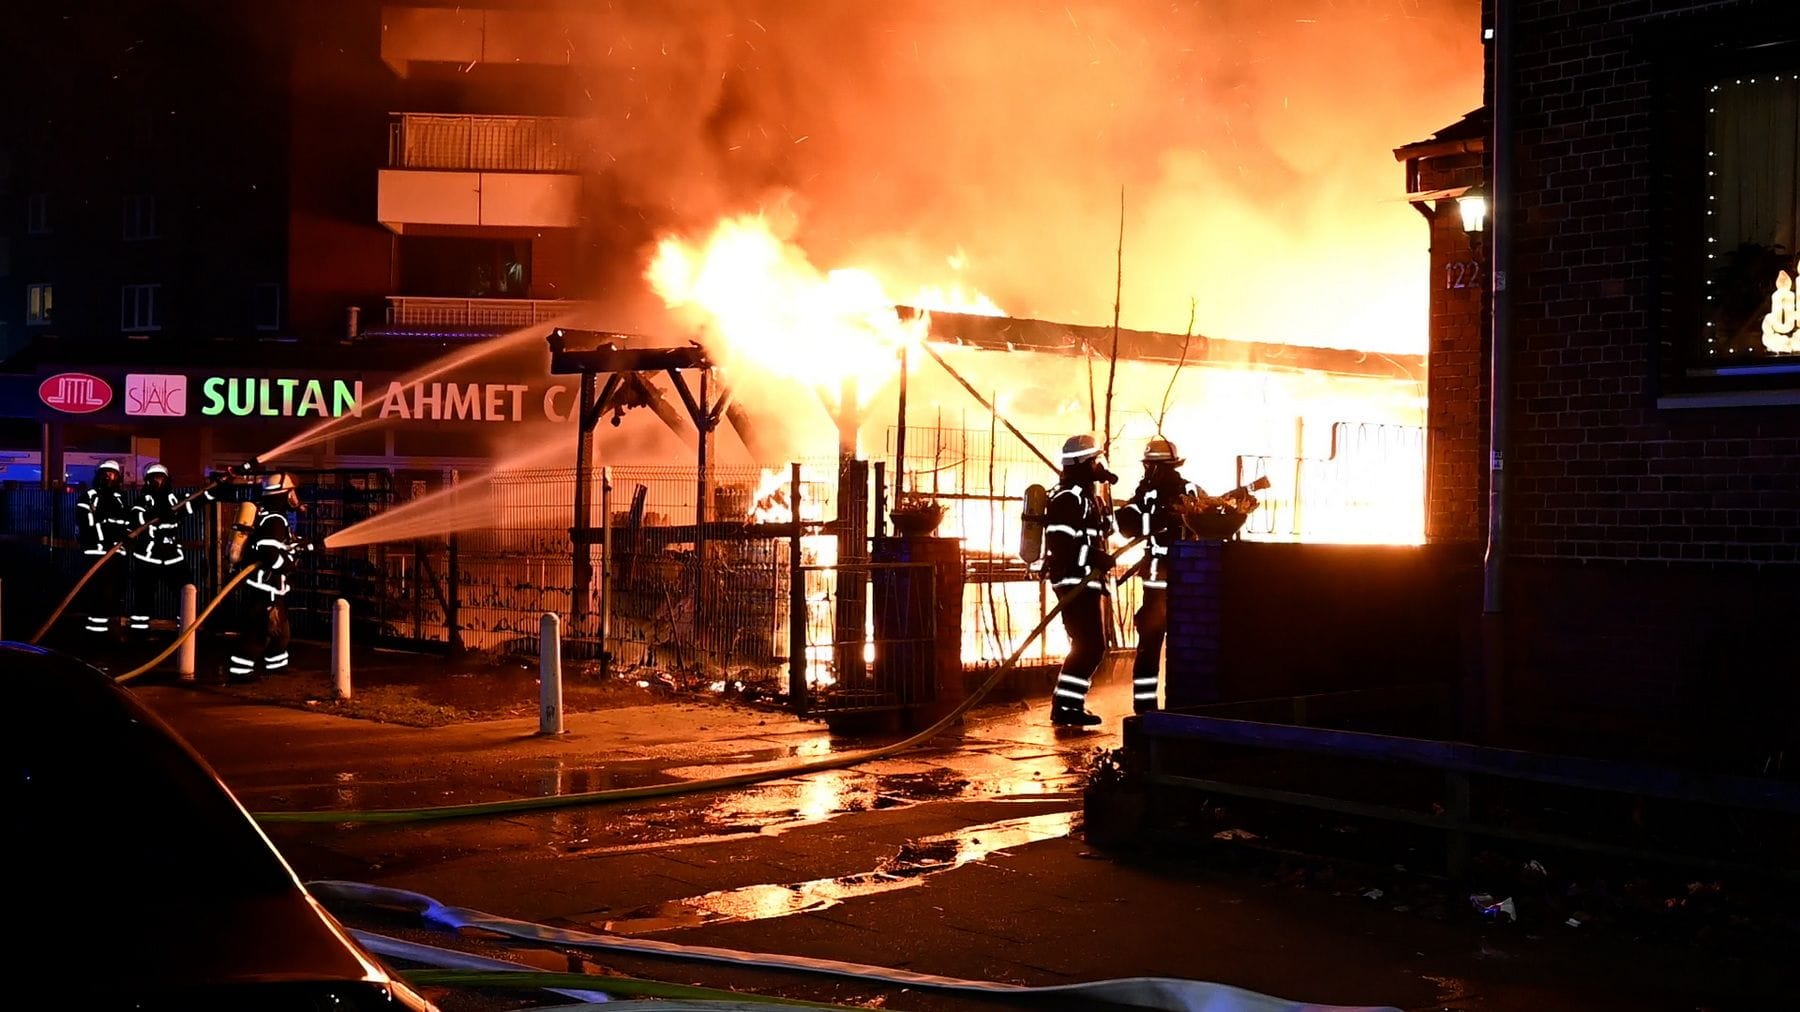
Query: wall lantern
(1474, 208)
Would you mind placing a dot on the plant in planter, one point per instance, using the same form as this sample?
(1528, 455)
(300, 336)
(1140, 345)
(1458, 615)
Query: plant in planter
(916, 515)
(1115, 805)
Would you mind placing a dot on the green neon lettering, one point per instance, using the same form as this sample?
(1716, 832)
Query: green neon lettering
(215, 403)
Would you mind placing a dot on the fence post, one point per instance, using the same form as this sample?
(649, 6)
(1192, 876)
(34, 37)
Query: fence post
(550, 709)
(340, 647)
(796, 603)
(606, 569)
(190, 607)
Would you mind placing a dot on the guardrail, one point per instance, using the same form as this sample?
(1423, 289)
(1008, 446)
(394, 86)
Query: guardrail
(413, 311)
(486, 143)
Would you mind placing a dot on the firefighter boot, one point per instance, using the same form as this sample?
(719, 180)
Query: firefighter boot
(1069, 716)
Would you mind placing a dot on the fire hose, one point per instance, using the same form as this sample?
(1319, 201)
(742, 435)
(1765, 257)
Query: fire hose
(130, 536)
(618, 794)
(1171, 994)
(188, 633)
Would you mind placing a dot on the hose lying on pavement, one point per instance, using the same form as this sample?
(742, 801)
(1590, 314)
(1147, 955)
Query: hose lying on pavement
(1170, 994)
(438, 957)
(188, 633)
(617, 794)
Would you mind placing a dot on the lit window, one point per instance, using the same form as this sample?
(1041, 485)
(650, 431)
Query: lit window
(137, 308)
(1751, 220)
(39, 303)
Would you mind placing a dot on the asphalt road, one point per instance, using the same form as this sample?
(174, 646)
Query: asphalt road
(964, 859)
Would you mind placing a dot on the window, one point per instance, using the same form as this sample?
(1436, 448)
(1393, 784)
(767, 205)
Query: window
(266, 307)
(37, 214)
(140, 216)
(38, 305)
(137, 308)
(1751, 226)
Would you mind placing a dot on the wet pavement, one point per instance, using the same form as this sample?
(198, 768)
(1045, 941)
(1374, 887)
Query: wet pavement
(962, 858)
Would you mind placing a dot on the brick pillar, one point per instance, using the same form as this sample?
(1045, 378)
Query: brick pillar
(1192, 667)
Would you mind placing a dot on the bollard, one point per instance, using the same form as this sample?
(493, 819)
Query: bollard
(550, 710)
(340, 647)
(190, 606)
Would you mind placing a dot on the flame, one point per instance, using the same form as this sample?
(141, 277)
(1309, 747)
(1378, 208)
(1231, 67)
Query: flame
(762, 304)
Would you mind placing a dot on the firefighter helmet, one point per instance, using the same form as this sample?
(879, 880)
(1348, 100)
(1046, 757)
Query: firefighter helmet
(277, 483)
(155, 469)
(1161, 451)
(1079, 448)
(110, 465)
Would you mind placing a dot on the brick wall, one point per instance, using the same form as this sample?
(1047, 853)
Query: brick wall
(1653, 549)
(1596, 469)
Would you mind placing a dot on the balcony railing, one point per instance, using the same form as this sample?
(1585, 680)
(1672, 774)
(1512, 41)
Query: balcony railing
(473, 314)
(485, 143)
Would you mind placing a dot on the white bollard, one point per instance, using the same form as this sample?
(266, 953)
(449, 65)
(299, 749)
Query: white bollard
(190, 607)
(550, 710)
(340, 647)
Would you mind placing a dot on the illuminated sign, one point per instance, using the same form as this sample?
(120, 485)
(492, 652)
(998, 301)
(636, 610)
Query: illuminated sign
(284, 397)
(77, 393)
(1780, 325)
(156, 395)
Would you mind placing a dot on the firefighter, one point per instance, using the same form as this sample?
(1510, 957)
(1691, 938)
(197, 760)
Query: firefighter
(1151, 514)
(160, 559)
(262, 646)
(1077, 564)
(105, 518)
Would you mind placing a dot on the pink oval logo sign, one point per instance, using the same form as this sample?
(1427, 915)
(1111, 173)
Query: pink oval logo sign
(75, 392)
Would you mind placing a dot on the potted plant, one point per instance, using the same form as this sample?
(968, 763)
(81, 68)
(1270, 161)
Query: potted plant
(916, 515)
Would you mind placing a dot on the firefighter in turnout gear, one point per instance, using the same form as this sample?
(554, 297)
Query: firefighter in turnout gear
(159, 557)
(1078, 566)
(262, 646)
(104, 516)
(1151, 515)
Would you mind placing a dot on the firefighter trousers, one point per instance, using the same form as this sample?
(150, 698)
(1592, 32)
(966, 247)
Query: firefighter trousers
(262, 645)
(1152, 629)
(103, 601)
(155, 592)
(1087, 648)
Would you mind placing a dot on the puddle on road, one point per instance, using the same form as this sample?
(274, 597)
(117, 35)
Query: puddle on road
(909, 866)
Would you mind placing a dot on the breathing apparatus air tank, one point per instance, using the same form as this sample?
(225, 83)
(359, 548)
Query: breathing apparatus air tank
(240, 532)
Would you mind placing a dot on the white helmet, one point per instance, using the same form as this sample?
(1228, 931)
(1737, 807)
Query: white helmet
(1079, 448)
(156, 469)
(110, 465)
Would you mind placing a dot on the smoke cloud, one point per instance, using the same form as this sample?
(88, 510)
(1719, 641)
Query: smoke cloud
(988, 143)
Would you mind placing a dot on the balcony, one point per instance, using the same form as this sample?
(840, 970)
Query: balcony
(450, 172)
(467, 36)
(412, 316)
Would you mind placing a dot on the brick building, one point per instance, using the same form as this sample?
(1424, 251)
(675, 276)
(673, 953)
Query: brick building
(1651, 429)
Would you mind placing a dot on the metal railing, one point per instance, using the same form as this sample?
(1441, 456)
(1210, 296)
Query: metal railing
(486, 143)
(411, 311)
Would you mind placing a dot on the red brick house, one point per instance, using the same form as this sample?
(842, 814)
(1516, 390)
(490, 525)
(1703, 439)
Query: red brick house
(1645, 209)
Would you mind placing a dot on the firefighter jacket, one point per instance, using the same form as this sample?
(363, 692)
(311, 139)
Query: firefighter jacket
(104, 519)
(1075, 533)
(275, 546)
(160, 514)
(1151, 514)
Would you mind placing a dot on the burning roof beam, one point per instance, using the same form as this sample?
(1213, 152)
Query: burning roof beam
(1002, 333)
